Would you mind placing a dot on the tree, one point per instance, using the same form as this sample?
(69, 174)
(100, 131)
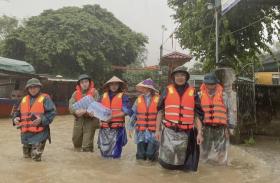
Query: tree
(245, 32)
(74, 40)
(197, 68)
(7, 26)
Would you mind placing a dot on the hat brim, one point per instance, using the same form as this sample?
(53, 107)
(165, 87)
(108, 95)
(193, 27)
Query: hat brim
(140, 85)
(185, 72)
(78, 82)
(32, 85)
(123, 85)
(210, 82)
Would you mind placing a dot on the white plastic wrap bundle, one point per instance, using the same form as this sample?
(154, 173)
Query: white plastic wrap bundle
(83, 103)
(99, 111)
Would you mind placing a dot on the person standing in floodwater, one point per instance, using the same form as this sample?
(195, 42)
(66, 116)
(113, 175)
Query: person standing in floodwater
(112, 134)
(35, 113)
(179, 138)
(84, 125)
(218, 123)
(143, 121)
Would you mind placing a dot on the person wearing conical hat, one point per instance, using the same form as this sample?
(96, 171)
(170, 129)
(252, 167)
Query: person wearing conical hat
(143, 121)
(35, 113)
(84, 124)
(112, 134)
(179, 126)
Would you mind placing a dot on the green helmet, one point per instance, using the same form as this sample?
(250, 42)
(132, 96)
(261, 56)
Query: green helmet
(33, 82)
(83, 76)
(181, 69)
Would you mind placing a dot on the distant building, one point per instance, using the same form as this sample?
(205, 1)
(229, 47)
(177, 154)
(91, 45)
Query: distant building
(268, 73)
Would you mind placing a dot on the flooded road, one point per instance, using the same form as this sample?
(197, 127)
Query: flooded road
(60, 163)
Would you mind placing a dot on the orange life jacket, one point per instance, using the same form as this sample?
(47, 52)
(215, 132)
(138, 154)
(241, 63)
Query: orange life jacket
(79, 93)
(214, 108)
(146, 115)
(179, 110)
(116, 106)
(28, 112)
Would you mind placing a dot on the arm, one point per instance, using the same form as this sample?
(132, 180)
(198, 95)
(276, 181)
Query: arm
(96, 95)
(71, 102)
(199, 116)
(230, 112)
(199, 113)
(125, 108)
(50, 112)
(160, 113)
(16, 116)
(132, 120)
(158, 124)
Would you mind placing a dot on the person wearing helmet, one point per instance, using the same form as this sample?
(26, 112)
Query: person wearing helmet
(218, 122)
(35, 113)
(179, 124)
(84, 125)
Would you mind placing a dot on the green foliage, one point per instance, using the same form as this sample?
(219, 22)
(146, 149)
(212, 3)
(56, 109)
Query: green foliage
(251, 141)
(133, 77)
(197, 68)
(7, 25)
(239, 45)
(74, 40)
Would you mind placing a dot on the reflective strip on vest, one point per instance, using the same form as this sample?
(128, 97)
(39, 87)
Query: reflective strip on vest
(146, 115)
(179, 110)
(27, 112)
(116, 106)
(215, 112)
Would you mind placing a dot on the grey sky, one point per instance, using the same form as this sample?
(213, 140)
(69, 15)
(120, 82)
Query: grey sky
(144, 16)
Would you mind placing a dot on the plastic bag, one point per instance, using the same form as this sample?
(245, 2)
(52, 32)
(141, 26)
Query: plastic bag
(83, 103)
(99, 111)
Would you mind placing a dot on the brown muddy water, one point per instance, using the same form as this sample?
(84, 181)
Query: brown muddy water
(260, 163)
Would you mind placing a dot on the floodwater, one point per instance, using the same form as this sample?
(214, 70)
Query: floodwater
(60, 163)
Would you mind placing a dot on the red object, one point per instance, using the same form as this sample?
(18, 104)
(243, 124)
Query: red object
(146, 116)
(214, 108)
(179, 111)
(79, 93)
(116, 106)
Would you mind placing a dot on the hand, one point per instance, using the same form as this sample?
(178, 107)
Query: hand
(130, 133)
(109, 119)
(80, 112)
(226, 133)
(37, 121)
(158, 135)
(16, 120)
(199, 138)
(91, 114)
(231, 131)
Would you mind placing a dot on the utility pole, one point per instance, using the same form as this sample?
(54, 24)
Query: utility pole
(216, 7)
(217, 35)
(163, 28)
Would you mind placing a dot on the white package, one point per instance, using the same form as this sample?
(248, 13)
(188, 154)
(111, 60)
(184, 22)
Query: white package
(99, 111)
(83, 103)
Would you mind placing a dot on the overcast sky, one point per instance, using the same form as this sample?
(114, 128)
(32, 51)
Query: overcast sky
(146, 16)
